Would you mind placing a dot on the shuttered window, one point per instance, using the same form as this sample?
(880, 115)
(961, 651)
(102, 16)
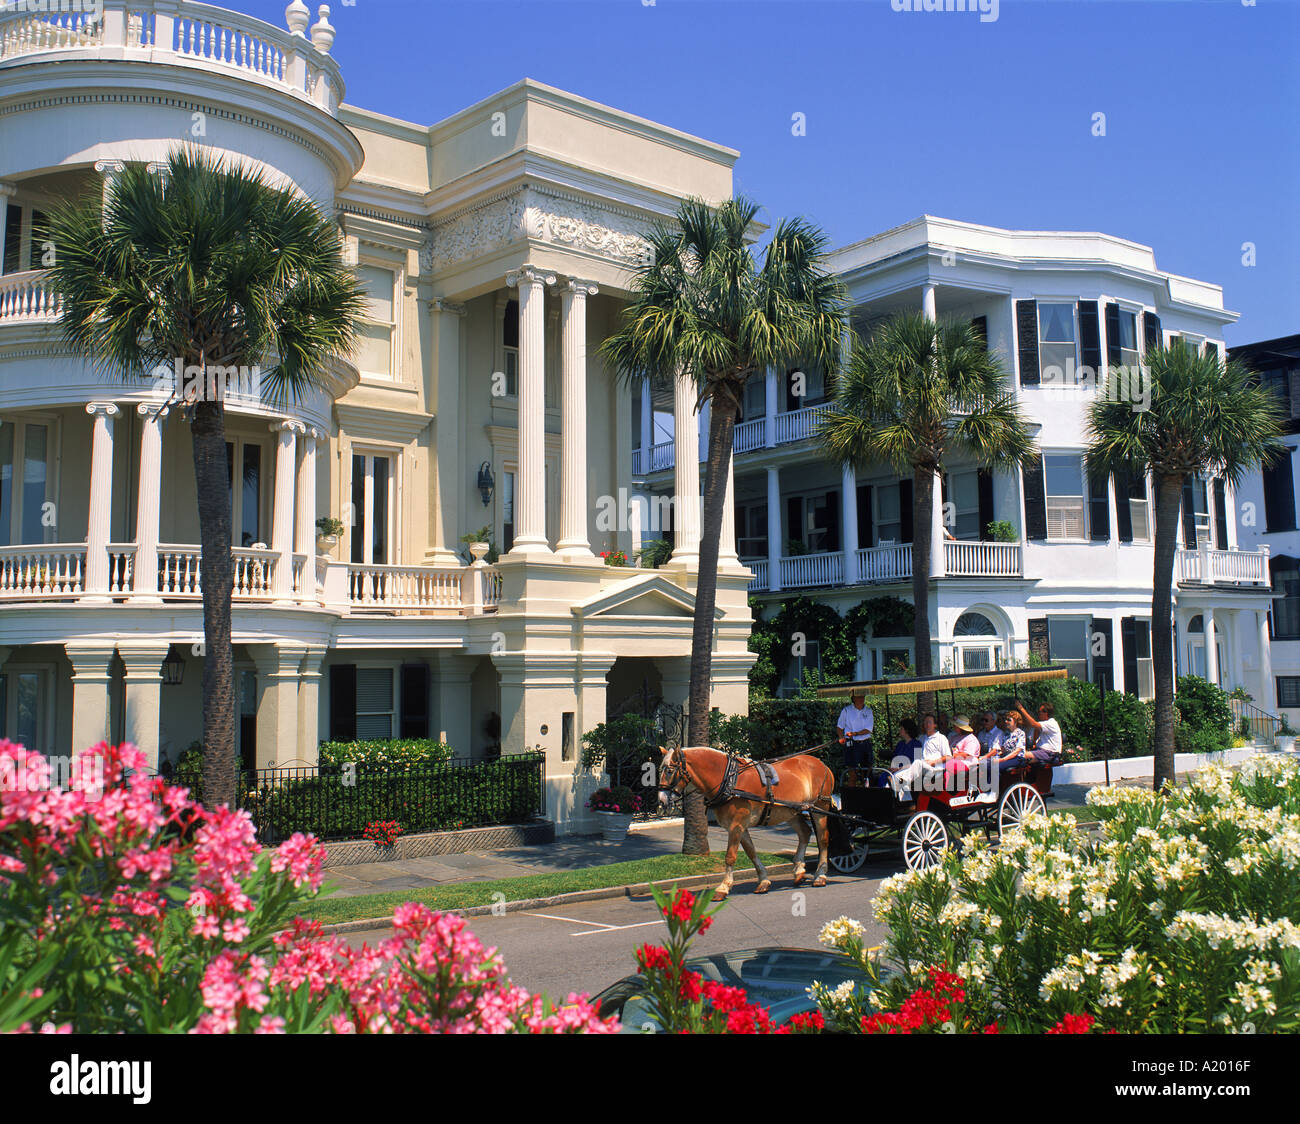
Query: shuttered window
(1063, 476)
(1279, 495)
(374, 702)
(1035, 500)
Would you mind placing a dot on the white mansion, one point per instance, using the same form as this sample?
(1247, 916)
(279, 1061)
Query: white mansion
(495, 247)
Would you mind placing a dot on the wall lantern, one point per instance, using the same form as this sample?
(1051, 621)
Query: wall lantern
(173, 667)
(485, 482)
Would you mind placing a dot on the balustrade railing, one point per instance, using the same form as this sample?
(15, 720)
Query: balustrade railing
(422, 588)
(749, 435)
(42, 571)
(885, 563)
(758, 566)
(799, 425)
(26, 298)
(1248, 567)
(121, 567)
(983, 559)
(804, 570)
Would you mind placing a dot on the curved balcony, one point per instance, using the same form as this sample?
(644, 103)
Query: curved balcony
(190, 35)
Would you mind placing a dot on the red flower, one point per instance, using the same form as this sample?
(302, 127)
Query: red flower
(652, 956)
(1073, 1024)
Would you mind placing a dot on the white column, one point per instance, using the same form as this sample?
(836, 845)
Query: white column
(727, 541)
(647, 426)
(305, 542)
(91, 667)
(573, 542)
(148, 503)
(142, 696)
(109, 169)
(1211, 648)
(1268, 694)
(773, 388)
(99, 521)
(530, 480)
(448, 498)
(6, 190)
(938, 559)
(686, 472)
(928, 304)
(774, 550)
(282, 511)
(849, 523)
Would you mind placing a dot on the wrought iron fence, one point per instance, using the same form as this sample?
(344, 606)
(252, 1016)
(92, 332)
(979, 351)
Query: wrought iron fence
(662, 724)
(336, 802)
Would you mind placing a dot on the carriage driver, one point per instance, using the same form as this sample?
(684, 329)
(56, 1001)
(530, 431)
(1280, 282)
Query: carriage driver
(853, 729)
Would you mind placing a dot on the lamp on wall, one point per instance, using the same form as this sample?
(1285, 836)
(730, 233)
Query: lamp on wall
(173, 667)
(485, 482)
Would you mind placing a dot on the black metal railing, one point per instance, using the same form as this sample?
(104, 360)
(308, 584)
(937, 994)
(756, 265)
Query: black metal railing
(335, 802)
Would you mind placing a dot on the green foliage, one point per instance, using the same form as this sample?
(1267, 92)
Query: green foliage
(394, 752)
(1204, 710)
(1002, 530)
(327, 525)
(655, 553)
(1128, 723)
(483, 534)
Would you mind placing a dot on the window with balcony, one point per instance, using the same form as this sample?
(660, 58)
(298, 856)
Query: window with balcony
(1067, 640)
(378, 321)
(25, 237)
(889, 515)
(507, 511)
(962, 491)
(372, 510)
(26, 483)
(1063, 477)
(808, 380)
(245, 491)
(1057, 343)
(751, 530)
(813, 523)
(755, 397)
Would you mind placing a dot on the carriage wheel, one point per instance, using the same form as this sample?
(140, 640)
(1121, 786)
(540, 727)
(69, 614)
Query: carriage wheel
(1017, 802)
(852, 859)
(925, 841)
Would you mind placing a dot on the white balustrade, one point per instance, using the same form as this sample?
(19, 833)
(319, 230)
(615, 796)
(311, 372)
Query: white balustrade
(804, 570)
(759, 568)
(1229, 566)
(121, 567)
(26, 298)
(229, 44)
(26, 32)
(404, 587)
(885, 563)
(799, 425)
(491, 589)
(983, 559)
(42, 571)
(749, 435)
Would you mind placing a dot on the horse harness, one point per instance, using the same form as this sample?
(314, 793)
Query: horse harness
(768, 777)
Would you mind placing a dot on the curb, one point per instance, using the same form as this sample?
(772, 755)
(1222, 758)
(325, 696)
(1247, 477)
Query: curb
(633, 890)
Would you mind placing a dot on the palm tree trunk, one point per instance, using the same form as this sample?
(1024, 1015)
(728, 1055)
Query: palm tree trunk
(722, 421)
(922, 523)
(1169, 492)
(212, 483)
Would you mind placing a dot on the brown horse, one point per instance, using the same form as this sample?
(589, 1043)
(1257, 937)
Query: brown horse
(802, 780)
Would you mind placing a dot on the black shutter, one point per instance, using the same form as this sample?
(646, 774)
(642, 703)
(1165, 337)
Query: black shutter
(865, 535)
(510, 325)
(1103, 664)
(1039, 643)
(1151, 331)
(1090, 335)
(1113, 355)
(794, 528)
(792, 400)
(1279, 495)
(343, 702)
(1035, 499)
(1189, 515)
(981, 326)
(13, 240)
(1027, 342)
(1220, 515)
(414, 721)
(985, 481)
(1128, 642)
(1098, 508)
(905, 511)
(833, 521)
(1123, 512)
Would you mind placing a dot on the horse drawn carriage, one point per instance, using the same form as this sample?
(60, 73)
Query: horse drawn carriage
(869, 813)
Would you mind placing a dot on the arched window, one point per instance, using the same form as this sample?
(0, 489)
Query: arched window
(1196, 624)
(973, 624)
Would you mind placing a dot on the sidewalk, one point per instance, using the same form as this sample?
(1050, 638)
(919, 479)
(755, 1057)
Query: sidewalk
(568, 853)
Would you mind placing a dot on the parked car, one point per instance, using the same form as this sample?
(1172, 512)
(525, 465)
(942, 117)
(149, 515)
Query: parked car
(775, 978)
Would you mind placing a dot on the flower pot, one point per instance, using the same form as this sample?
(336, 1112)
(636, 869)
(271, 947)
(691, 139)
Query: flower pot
(1284, 742)
(325, 544)
(614, 825)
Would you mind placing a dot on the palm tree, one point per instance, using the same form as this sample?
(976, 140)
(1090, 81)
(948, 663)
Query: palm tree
(1206, 416)
(914, 394)
(210, 265)
(702, 306)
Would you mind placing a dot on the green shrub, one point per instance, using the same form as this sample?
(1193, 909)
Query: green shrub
(398, 752)
(655, 553)
(1128, 723)
(1202, 706)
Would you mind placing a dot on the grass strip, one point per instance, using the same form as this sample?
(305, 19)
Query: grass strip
(464, 895)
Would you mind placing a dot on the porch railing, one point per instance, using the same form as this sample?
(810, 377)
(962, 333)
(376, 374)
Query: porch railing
(749, 435)
(983, 559)
(421, 588)
(26, 298)
(804, 570)
(885, 563)
(1263, 726)
(42, 571)
(791, 426)
(1248, 567)
(799, 425)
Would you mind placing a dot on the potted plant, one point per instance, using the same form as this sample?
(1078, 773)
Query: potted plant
(1002, 530)
(614, 557)
(615, 806)
(654, 554)
(480, 546)
(328, 532)
(1285, 737)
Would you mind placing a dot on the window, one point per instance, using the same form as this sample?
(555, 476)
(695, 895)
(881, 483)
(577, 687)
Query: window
(1067, 639)
(25, 482)
(1063, 475)
(1128, 339)
(973, 646)
(894, 662)
(1192, 343)
(374, 702)
(25, 702)
(1056, 342)
(811, 660)
(963, 493)
(1139, 509)
(1286, 600)
(372, 510)
(1288, 690)
(1279, 495)
(507, 511)
(751, 530)
(24, 240)
(810, 381)
(1142, 646)
(378, 323)
(510, 347)
(246, 498)
(13, 239)
(755, 397)
(888, 521)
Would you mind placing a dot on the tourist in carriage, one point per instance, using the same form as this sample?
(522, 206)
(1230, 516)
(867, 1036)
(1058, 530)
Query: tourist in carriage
(934, 752)
(1011, 754)
(990, 735)
(965, 752)
(1047, 734)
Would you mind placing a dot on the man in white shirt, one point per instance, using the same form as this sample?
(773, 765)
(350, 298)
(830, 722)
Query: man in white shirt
(990, 735)
(853, 729)
(934, 752)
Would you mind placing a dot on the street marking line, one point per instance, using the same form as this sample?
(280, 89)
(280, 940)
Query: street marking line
(571, 920)
(614, 928)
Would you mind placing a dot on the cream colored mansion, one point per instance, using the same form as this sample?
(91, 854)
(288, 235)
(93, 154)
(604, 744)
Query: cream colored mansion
(495, 248)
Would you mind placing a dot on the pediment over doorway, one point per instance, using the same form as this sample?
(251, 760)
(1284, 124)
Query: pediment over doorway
(651, 596)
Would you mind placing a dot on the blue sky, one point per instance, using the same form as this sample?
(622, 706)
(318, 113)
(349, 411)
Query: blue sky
(914, 112)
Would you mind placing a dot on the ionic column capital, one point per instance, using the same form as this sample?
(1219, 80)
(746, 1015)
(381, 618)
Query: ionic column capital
(102, 409)
(531, 275)
(287, 425)
(446, 307)
(7, 190)
(110, 167)
(151, 411)
(580, 288)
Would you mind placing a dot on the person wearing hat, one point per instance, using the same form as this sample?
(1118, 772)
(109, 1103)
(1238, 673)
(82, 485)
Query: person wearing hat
(853, 729)
(965, 751)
